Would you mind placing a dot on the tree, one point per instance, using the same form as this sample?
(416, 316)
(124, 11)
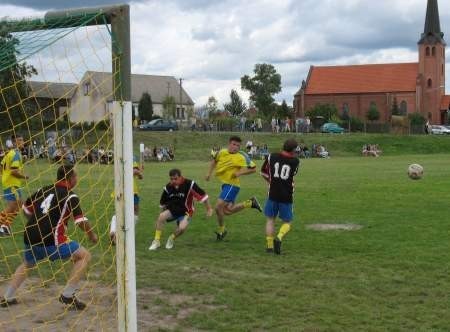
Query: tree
(236, 106)
(169, 107)
(211, 105)
(395, 109)
(284, 110)
(145, 107)
(13, 83)
(262, 86)
(373, 114)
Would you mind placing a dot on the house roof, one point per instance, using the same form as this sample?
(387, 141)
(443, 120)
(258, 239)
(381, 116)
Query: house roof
(51, 90)
(155, 85)
(372, 78)
(445, 102)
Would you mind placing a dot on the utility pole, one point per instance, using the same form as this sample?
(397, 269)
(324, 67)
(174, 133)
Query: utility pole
(181, 98)
(168, 89)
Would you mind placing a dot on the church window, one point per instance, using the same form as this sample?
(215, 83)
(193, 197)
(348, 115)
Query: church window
(433, 51)
(403, 108)
(345, 112)
(427, 51)
(429, 83)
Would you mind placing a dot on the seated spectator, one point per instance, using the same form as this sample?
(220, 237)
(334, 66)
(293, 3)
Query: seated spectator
(322, 152)
(171, 153)
(370, 150)
(147, 154)
(305, 151)
(159, 155)
(264, 151)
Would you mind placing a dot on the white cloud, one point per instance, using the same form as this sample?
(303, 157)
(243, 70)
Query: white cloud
(213, 43)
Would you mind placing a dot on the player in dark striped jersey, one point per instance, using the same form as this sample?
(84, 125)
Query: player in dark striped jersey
(48, 211)
(279, 170)
(177, 200)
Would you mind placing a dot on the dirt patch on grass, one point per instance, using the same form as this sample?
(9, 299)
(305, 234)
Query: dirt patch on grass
(39, 309)
(334, 227)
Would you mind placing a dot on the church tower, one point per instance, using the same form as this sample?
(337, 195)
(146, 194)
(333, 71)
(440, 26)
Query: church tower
(431, 75)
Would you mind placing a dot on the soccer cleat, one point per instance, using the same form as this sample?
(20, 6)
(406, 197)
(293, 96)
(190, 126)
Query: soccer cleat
(155, 245)
(5, 230)
(255, 204)
(269, 250)
(221, 236)
(169, 243)
(277, 246)
(4, 303)
(72, 302)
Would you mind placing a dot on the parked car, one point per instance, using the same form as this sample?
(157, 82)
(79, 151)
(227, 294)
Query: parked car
(440, 130)
(159, 125)
(331, 127)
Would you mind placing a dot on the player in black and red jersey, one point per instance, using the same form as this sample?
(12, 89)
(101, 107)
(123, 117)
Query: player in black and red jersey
(279, 170)
(177, 200)
(48, 211)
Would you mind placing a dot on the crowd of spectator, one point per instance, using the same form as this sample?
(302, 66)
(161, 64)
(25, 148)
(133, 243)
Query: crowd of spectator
(161, 153)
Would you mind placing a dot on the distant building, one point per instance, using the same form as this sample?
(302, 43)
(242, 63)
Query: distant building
(417, 87)
(94, 95)
(51, 99)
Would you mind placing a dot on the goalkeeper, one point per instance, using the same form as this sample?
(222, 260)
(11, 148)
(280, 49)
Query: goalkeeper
(48, 211)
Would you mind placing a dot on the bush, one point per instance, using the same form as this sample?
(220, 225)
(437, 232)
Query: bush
(416, 119)
(356, 124)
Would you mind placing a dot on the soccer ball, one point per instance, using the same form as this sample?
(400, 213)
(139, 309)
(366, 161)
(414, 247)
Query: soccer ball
(415, 171)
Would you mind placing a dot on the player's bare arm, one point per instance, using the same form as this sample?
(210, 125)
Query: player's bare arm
(18, 174)
(86, 227)
(245, 171)
(212, 165)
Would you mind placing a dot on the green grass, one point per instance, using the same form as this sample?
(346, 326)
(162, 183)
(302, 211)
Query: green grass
(390, 275)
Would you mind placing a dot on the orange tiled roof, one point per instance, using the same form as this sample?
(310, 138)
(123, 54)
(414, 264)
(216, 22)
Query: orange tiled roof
(445, 102)
(395, 77)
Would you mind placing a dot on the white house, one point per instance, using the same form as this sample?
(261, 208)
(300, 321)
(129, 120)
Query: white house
(94, 95)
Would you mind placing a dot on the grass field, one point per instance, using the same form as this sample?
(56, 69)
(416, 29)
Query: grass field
(390, 275)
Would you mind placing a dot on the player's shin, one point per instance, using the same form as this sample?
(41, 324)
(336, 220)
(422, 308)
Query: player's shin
(284, 229)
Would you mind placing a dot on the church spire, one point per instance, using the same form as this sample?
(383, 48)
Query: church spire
(432, 33)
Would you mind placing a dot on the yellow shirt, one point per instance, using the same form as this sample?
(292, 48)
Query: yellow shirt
(229, 163)
(12, 160)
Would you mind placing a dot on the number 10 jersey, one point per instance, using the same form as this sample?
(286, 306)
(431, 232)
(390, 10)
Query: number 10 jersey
(279, 169)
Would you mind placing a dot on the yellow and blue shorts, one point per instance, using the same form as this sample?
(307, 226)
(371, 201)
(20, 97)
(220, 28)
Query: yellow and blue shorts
(12, 194)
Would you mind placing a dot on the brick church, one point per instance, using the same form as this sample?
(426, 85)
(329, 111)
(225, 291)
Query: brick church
(416, 87)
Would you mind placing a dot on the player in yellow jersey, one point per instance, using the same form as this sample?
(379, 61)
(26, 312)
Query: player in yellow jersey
(137, 174)
(230, 164)
(12, 182)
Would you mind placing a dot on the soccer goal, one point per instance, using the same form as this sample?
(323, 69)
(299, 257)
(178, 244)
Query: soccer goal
(65, 89)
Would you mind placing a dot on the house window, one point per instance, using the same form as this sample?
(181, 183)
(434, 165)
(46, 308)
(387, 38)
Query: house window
(433, 51)
(403, 108)
(429, 83)
(178, 113)
(182, 113)
(427, 51)
(86, 87)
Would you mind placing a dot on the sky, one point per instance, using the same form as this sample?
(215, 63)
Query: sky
(211, 44)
